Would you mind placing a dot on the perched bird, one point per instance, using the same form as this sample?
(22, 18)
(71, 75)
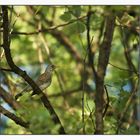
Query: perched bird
(43, 81)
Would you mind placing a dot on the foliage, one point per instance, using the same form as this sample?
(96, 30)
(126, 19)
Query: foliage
(66, 47)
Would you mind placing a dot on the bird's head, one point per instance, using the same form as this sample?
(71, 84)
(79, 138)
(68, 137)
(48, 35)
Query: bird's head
(50, 68)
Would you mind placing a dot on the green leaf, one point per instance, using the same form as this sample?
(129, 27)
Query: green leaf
(81, 27)
(75, 10)
(90, 105)
(66, 16)
(77, 27)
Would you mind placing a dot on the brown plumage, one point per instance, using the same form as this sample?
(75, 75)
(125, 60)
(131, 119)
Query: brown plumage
(43, 81)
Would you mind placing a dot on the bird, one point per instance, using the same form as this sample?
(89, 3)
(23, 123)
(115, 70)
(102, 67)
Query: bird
(43, 81)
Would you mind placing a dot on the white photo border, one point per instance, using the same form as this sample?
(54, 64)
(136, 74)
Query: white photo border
(70, 2)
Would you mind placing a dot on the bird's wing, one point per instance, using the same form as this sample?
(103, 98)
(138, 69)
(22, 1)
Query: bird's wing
(43, 78)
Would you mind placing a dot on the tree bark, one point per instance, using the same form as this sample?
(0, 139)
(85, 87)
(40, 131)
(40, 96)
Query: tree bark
(104, 53)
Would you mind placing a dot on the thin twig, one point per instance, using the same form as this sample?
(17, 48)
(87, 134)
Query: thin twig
(107, 104)
(89, 44)
(66, 93)
(47, 29)
(9, 70)
(83, 95)
(60, 83)
(134, 29)
(91, 114)
(129, 70)
(58, 35)
(89, 41)
(126, 46)
(128, 103)
(131, 66)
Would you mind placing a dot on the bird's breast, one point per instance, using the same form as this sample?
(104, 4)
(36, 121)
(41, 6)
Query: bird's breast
(45, 85)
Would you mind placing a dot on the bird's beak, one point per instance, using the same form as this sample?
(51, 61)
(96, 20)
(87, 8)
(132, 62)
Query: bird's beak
(54, 67)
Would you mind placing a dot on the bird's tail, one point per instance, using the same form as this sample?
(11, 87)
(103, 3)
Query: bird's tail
(27, 88)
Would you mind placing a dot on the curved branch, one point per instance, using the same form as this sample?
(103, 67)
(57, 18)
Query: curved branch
(17, 70)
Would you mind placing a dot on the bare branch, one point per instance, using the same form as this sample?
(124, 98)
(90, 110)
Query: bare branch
(47, 29)
(13, 117)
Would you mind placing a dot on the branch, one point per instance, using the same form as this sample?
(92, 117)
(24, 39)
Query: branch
(125, 41)
(104, 53)
(90, 54)
(17, 70)
(66, 93)
(44, 30)
(127, 105)
(64, 40)
(134, 29)
(107, 104)
(91, 61)
(13, 117)
(9, 99)
(61, 37)
(126, 53)
(133, 98)
(9, 70)
(129, 70)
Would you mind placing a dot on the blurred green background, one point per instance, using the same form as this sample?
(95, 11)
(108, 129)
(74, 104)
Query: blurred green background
(41, 35)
